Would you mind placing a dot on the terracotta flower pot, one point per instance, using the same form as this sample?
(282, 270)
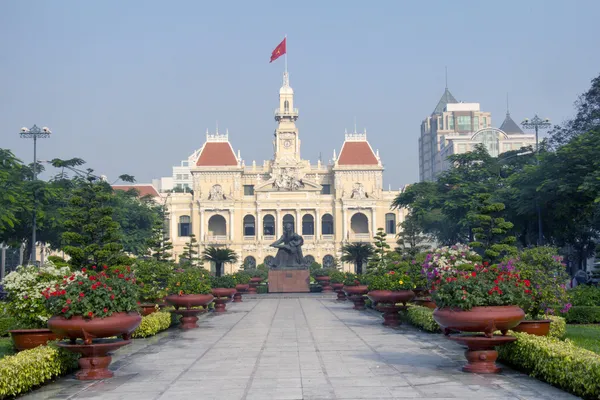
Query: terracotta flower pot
(95, 358)
(420, 292)
(535, 327)
(391, 296)
(25, 339)
(338, 288)
(253, 284)
(357, 295)
(77, 327)
(479, 319)
(183, 306)
(240, 288)
(425, 302)
(222, 297)
(324, 282)
(147, 309)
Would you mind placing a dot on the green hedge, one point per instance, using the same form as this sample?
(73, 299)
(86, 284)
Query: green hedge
(152, 324)
(557, 362)
(6, 324)
(583, 315)
(30, 368)
(558, 326)
(422, 317)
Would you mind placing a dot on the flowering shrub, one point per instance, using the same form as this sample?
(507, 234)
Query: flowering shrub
(152, 277)
(189, 281)
(483, 286)
(24, 287)
(449, 260)
(547, 274)
(225, 281)
(94, 294)
(355, 279)
(241, 278)
(391, 281)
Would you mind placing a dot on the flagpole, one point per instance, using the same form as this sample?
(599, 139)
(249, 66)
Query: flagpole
(285, 37)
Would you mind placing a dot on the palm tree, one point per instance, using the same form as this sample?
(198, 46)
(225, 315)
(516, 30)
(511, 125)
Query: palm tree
(357, 253)
(219, 256)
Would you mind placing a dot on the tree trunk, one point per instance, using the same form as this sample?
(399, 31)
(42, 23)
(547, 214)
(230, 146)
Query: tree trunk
(358, 267)
(218, 269)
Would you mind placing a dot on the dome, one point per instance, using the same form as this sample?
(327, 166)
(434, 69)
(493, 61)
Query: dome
(286, 90)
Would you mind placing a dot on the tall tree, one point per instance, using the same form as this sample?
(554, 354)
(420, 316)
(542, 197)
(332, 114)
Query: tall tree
(190, 253)
(159, 244)
(357, 253)
(379, 257)
(219, 256)
(411, 240)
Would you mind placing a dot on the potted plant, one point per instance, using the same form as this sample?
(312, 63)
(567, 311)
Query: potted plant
(152, 277)
(356, 288)
(24, 288)
(223, 288)
(322, 275)
(546, 274)
(337, 279)
(242, 279)
(387, 290)
(257, 275)
(190, 292)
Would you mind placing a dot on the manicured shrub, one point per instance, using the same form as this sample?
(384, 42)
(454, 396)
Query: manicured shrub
(30, 368)
(422, 317)
(557, 362)
(152, 324)
(584, 295)
(558, 326)
(583, 315)
(6, 324)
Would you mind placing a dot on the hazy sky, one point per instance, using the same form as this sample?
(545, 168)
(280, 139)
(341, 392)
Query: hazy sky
(131, 86)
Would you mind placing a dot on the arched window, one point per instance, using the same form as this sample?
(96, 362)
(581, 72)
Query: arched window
(217, 226)
(308, 260)
(308, 225)
(328, 261)
(390, 223)
(269, 261)
(268, 225)
(359, 223)
(289, 219)
(286, 105)
(249, 225)
(185, 225)
(249, 262)
(327, 224)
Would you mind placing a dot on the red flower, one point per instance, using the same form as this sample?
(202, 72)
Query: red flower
(527, 283)
(68, 301)
(490, 292)
(392, 272)
(105, 310)
(72, 277)
(64, 310)
(121, 276)
(92, 278)
(93, 267)
(112, 296)
(485, 263)
(473, 274)
(105, 266)
(81, 294)
(90, 314)
(496, 281)
(84, 270)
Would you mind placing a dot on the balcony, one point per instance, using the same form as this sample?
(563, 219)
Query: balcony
(269, 237)
(327, 237)
(308, 238)
(216, 238)
(360, 237)
(249, 238)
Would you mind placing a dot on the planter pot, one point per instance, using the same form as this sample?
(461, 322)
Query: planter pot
(183, 306)
(421, 292)
(357, 295)
(147, 309)
(77, 327)
(25, 339)
(239, 289)
(253, 284)
(338, 288)
(324, 282)
(479, 319)
(222, 297)
(481, 352)
(425, 302)
(390, 296)
(95, 358)
(536, 327)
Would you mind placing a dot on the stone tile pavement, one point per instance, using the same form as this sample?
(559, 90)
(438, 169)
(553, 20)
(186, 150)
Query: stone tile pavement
(295, 348)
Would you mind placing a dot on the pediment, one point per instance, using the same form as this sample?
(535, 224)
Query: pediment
(272, 186)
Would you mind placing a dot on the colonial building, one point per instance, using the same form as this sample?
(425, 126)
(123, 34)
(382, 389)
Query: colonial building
(455, 127)
(244, 207)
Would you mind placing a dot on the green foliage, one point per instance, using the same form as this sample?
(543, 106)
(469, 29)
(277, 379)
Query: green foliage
(422, 317)
(31, 368)
(357, 253)
(242, 277)
(189, 257)
(391, 281)
(314, 266)
(547, 274)
(411, 240)
(57, 261)
(560, 363)
(261, 271)
(7, 323)
(584, 295)
(6, 347)
(92, 236)
(152, 324)
(138, 218)
(381, 248)
(94, 294)
(189, 281)
(337, 276)
(152, 277)
(583, 315)
(490, 230)
(225, 281)
(558, 326)
(586, 336)
(322, 272)
(355, 279)
(219, 256)
(12, 189)
(158, 243)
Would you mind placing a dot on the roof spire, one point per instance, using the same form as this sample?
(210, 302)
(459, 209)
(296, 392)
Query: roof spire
(446, 77)
(355, 124)
(507, 109)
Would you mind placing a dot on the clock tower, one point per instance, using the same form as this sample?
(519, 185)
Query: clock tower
(286, 144)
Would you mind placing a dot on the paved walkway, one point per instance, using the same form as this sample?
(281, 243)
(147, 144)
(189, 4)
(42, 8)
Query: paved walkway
(303, 348)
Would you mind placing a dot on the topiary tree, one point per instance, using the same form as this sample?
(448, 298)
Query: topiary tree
(379, 257)
(159, 244)
(190, 254)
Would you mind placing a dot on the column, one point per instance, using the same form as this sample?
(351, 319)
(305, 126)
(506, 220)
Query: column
(202, 238)
(277, 223)
(298, 223)
(317, 224)
(344, 223)
(259, 225)
(231, 226)
(174, 232)
(374, 217)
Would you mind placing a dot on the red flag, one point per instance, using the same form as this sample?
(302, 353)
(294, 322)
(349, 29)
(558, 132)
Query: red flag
(279, 51)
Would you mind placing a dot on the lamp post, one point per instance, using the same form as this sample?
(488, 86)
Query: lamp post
(34, 133)
(537, 123)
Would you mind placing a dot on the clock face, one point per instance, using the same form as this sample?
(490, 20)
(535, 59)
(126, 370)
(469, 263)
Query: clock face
(287, 144)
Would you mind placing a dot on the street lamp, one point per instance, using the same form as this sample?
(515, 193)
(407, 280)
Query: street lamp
(537, 123)
(34, 133)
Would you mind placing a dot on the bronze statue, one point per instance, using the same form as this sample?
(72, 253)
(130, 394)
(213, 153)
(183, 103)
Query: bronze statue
(289, 253)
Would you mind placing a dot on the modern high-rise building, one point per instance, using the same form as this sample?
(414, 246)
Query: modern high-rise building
(455, 127)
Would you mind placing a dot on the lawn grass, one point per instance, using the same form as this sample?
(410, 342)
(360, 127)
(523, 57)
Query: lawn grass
(586, 336)
(6, 346)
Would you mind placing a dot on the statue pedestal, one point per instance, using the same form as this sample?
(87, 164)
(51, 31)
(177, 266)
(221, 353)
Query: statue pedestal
(289, 281)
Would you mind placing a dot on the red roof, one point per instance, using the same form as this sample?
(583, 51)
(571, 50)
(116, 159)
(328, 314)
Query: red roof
(143, 190)
(217, 154)
(357, 153)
